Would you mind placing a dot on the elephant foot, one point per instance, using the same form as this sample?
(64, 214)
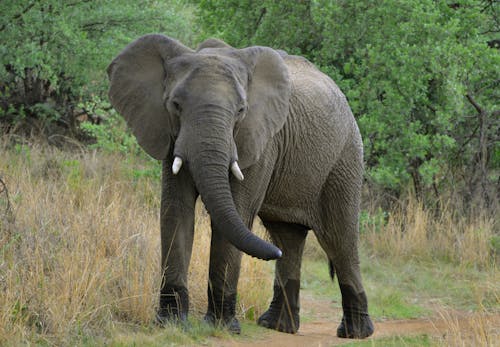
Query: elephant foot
(356, 323)
(231, 324)
(221, 311)
(285, 323)
(174, 305)
(355, 328)
(283, 313)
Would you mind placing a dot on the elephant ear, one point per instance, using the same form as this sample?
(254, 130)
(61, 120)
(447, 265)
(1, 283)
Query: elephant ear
(137, 78)
(268, 97)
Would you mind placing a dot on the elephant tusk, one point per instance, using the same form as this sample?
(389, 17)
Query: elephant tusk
(235, 169)
(176, 166)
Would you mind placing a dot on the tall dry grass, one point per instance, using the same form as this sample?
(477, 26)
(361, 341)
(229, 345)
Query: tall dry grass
(477, 329)
(81, 255)
(415, 232)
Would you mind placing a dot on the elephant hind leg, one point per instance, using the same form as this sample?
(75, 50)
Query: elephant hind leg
(283, 313)
(338, 235)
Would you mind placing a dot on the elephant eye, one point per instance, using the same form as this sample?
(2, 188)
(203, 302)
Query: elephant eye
(241, 110)
(176, 105)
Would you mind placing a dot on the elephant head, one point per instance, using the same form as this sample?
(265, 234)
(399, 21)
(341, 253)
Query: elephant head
(208, 109)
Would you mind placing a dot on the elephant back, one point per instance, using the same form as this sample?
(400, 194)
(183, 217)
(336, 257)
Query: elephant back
(305, 75)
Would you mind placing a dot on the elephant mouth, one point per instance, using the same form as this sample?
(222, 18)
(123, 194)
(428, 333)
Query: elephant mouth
(234, 167)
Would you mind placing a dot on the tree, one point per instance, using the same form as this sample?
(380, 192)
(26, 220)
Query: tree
(53, 54)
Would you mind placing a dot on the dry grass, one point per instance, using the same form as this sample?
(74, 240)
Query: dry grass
(477, 329)
(415, 232)
(81, 256)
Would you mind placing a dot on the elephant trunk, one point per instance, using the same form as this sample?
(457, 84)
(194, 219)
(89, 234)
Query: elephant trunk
(209, 166)
(212, 182)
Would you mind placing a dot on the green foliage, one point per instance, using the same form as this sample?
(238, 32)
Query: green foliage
(409, 67)
(54, 54)
(421, 77)
(372, 221)
(112, 136)
(247, 22)
(495, 245)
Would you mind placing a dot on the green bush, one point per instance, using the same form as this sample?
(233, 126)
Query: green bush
(54, 54)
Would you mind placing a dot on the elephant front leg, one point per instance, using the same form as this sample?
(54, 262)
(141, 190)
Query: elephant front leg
(177, 231)
(283, 313)
(224, 272)
(176, 253)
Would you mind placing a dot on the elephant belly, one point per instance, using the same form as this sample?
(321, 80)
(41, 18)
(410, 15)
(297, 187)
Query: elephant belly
(272, 213)
(293, 193)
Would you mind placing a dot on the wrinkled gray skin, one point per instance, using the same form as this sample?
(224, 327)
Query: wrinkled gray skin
(290, 129)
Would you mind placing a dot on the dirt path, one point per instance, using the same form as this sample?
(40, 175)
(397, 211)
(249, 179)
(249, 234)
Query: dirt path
(322, 329)
(322, 334)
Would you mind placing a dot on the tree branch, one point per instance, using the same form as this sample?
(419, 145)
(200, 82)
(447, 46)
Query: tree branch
(93, 25)
(78, 3)
(474, 103)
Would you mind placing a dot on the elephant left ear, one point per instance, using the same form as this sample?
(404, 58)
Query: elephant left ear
(268, 98)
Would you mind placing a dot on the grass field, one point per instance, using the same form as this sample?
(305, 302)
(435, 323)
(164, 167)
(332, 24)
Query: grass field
(79, 258)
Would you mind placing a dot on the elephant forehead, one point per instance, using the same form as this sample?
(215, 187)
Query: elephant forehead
(206, 74)
(218, 66)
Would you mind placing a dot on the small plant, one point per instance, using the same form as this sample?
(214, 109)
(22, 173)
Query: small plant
(373, 221)
(112, 136)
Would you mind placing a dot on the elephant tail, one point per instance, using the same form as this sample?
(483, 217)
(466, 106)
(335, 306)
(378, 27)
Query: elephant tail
(331, 269)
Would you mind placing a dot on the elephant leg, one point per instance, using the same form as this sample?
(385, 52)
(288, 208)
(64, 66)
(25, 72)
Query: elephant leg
(344, 261)
(339, 236)
(225, 261)
(177, 230)
(283, 313)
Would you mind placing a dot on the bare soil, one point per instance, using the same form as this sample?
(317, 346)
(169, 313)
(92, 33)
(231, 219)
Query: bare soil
(321, 329)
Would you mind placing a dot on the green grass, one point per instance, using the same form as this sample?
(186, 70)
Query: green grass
(424, 284)
(385, 300)
(151, 336)
(196, 333)
(409, 289)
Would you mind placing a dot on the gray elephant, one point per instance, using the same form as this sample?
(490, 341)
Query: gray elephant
(253, 131)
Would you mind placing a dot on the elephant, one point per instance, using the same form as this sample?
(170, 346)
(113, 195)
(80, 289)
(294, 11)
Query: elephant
(253, 132)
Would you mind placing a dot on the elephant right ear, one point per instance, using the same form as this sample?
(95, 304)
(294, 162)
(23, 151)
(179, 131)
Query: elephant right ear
(137, 82)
